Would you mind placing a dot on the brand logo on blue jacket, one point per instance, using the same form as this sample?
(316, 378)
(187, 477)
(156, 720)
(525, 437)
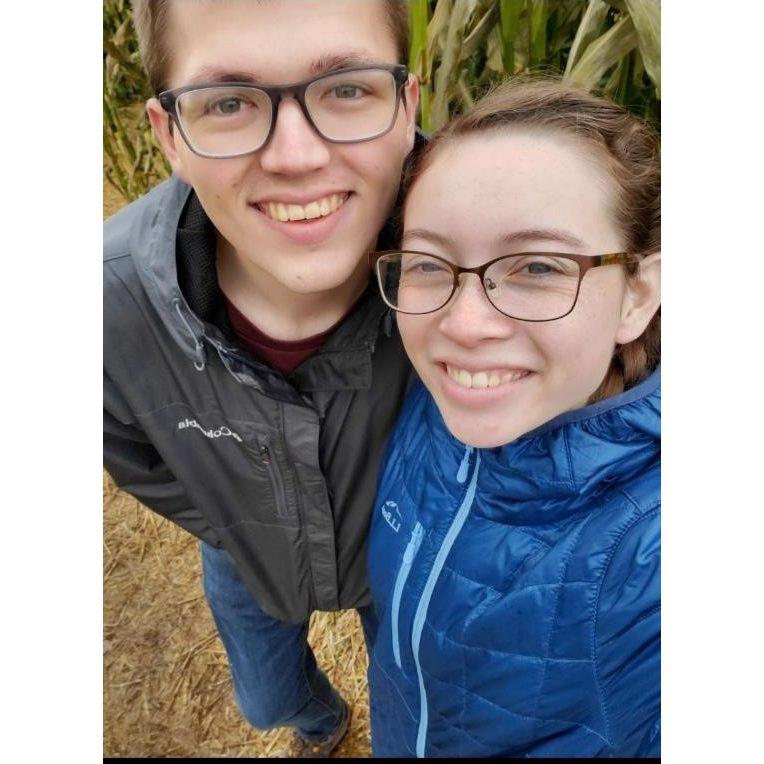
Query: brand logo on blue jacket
(392, 515)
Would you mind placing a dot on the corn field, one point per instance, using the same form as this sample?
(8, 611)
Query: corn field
(458, 49)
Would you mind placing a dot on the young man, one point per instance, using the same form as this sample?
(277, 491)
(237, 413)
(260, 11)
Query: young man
(251, 372)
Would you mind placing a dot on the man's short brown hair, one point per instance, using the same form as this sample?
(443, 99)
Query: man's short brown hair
(151, 18)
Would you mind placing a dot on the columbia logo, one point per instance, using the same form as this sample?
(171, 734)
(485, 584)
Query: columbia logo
(220, 432)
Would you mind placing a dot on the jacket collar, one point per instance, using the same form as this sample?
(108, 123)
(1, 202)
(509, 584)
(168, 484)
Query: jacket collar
(174, 249)
(574, 456)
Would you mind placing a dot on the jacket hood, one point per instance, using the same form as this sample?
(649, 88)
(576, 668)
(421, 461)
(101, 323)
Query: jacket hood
(152, 242)
(562, 464)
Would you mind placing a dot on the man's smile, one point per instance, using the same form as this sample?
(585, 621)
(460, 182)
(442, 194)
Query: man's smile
(288, 211)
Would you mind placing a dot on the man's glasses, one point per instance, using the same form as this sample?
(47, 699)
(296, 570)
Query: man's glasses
(232, 119)
(528, 286)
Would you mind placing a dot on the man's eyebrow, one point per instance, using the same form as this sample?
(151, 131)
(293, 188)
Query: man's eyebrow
(328, 63)
(344, 60)
(516, 237)
(211, 74)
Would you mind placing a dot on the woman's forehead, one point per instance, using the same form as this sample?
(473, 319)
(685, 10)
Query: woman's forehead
(495, 184)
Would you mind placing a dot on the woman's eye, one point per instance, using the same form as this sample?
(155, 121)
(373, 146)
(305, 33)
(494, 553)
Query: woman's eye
(546, 267)
(426, 267)
(430, 267)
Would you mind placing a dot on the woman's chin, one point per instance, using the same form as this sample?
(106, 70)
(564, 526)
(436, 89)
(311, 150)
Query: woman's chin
(480, 434)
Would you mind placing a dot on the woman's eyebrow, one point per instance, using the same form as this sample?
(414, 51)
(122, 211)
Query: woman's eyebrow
(432, 236)
(526, 234)
(542, 234)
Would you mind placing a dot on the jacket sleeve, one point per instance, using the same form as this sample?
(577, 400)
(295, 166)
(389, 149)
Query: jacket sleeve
(628, 640)
(137, 467)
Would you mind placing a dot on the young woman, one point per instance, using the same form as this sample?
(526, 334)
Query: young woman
(515, 549)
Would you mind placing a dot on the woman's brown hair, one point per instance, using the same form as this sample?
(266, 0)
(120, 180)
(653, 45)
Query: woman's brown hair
(630, 151)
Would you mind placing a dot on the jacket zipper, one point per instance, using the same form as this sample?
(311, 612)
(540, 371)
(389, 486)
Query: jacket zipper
(403, 573)
(432, 579)
(274, 473)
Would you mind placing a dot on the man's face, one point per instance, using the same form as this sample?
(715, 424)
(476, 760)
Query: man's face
(279, 42)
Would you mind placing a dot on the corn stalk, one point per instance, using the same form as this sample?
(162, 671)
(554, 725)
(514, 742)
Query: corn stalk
(608, 46)
(133, 162)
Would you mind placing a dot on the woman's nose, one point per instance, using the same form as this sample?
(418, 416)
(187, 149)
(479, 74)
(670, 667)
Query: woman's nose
(469, 317)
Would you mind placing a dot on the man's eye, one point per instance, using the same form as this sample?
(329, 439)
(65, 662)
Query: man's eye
(348, 92)
(227, 106)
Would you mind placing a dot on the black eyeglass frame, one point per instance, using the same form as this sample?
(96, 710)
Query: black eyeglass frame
(585, 264)
(168, 99)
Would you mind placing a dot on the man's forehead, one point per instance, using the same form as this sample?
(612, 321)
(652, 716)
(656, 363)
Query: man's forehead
(275, 41)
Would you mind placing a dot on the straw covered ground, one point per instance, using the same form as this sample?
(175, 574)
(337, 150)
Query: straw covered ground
(167, 689)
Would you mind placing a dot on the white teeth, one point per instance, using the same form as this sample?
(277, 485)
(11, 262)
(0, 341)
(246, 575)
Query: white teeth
(464, 378)
(482, 379)
(312, 210)
(295, 212)
(315, 209)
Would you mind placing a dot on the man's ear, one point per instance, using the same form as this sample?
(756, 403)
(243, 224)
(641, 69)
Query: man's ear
(641, 299)
(410, 104)
(167, 134)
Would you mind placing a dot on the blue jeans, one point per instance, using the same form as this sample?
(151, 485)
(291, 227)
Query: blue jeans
(276, 680)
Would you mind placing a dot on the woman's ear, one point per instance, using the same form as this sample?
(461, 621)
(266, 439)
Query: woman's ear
(166, 135)
(641, 300)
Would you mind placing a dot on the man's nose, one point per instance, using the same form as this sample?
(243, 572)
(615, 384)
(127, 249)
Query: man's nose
(295, 148)
(469, 318)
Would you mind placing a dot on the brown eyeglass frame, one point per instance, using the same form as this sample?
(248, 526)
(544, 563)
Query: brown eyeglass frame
(585, 264)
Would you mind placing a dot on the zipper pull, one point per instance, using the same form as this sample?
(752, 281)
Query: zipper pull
(461, 475)
(416, 535)
(265, 454)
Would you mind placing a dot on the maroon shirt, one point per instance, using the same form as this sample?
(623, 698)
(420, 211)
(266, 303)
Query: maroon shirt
(282, 355)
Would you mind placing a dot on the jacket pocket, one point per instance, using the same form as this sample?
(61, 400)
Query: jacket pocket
(400, 581)
(266, 457)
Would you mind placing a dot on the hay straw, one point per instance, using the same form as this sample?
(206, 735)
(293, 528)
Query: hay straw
(167, 689)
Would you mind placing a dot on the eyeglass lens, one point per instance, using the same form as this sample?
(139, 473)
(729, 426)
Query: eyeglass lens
(531, 287)
(347, 106)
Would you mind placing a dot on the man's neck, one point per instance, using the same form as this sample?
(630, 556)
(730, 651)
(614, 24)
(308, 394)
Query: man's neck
(274, 309)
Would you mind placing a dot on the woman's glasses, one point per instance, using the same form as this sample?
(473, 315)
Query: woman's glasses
(528, 286)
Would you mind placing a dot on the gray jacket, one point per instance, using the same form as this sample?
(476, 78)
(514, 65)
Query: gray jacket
(279, 472)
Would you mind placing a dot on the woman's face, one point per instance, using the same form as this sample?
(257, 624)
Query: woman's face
(495, 378)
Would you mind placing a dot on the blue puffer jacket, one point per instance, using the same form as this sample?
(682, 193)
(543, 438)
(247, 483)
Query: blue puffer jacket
(518, 588)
